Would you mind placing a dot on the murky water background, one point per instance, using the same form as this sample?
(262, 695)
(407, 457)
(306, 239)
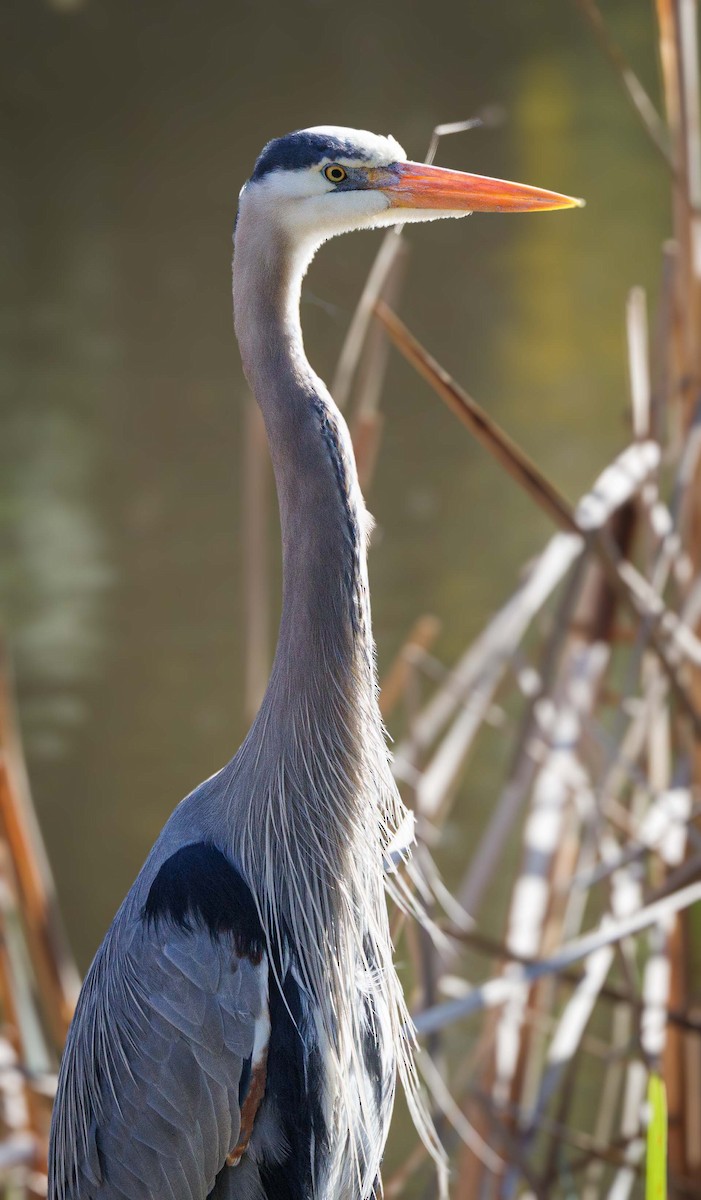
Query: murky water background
(126, 131)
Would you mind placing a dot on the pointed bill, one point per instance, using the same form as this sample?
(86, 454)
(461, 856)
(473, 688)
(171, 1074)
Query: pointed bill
(415, 185)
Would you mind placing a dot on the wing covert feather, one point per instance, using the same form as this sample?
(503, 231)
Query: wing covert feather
(148, 1098)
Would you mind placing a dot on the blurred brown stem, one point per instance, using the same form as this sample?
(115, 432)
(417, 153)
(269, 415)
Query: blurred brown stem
(648, 115)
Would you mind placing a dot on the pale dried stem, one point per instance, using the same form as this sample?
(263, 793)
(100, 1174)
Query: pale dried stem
(499, 990)
(639, 363)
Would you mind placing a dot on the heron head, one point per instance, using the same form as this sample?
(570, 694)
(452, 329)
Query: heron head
(318, 182)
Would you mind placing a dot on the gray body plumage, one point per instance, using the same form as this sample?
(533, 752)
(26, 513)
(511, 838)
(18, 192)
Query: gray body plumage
(175, 1014)
(148, 1097)
(169, 1019)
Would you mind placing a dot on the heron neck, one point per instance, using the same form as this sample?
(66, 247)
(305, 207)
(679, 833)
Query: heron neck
(325, 624)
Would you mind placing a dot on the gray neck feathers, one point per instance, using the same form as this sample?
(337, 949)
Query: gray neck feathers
(311, 800)
(324, 654)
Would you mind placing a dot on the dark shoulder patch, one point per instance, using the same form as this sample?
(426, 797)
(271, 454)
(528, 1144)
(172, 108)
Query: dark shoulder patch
(299, 150)
(199, 888)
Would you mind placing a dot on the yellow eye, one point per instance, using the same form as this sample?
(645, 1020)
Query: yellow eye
(335, 174)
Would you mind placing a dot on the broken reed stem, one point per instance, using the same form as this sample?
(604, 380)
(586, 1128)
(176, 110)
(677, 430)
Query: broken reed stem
(498, 991)
(621, 574)
(483, 428)
(492, 948)
(370, 370)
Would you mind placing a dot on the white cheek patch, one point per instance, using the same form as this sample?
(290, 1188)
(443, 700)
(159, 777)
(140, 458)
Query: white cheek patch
(330, 212)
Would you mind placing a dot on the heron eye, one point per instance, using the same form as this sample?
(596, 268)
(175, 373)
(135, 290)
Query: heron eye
(335, 174)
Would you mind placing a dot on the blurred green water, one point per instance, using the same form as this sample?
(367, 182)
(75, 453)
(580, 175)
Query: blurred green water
(126, 131)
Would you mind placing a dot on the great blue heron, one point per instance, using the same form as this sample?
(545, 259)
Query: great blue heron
(240, 1029)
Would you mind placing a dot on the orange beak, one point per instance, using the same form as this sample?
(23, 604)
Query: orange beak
(414, 185)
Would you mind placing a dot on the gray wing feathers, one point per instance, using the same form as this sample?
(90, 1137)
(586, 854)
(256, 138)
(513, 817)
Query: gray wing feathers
(242, 1182)
(151, 1071)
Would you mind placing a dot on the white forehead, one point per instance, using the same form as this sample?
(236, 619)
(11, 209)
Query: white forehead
(373, 149)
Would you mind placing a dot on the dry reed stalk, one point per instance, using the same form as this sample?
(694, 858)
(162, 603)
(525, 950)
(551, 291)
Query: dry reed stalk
(396, 1183)
(645, 841)
(51, 958)
(383, 282)
(627, 898)
(501, 637)
(693, 1099)
(535, 920)
(639, 363)
(610, 1101)
(689, 70)
(492, 651)
(19, 1108)
(565, 1044)
(565, 1135)
(528, 1086)
(689, 464)
(673, 1056)
(352, 348)
(648, 115)
(484, 429)
(680, 76)
(469, 1135)
(606, 490)
(366, 422)
(436, 783)
(489, 117)
(643, 810)
(667, 634)
(653, 1006)
(498, 990)
(420, 640)
(671, 842)
(679, 50)
(525, 757)
(663, 374)
(616, 995)
(662, 553)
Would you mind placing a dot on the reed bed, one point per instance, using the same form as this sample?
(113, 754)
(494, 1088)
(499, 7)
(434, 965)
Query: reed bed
(38, 978)
(545, 1051)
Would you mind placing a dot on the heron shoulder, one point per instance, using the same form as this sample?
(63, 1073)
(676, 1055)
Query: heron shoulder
(199, 887)
(171, 1026)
